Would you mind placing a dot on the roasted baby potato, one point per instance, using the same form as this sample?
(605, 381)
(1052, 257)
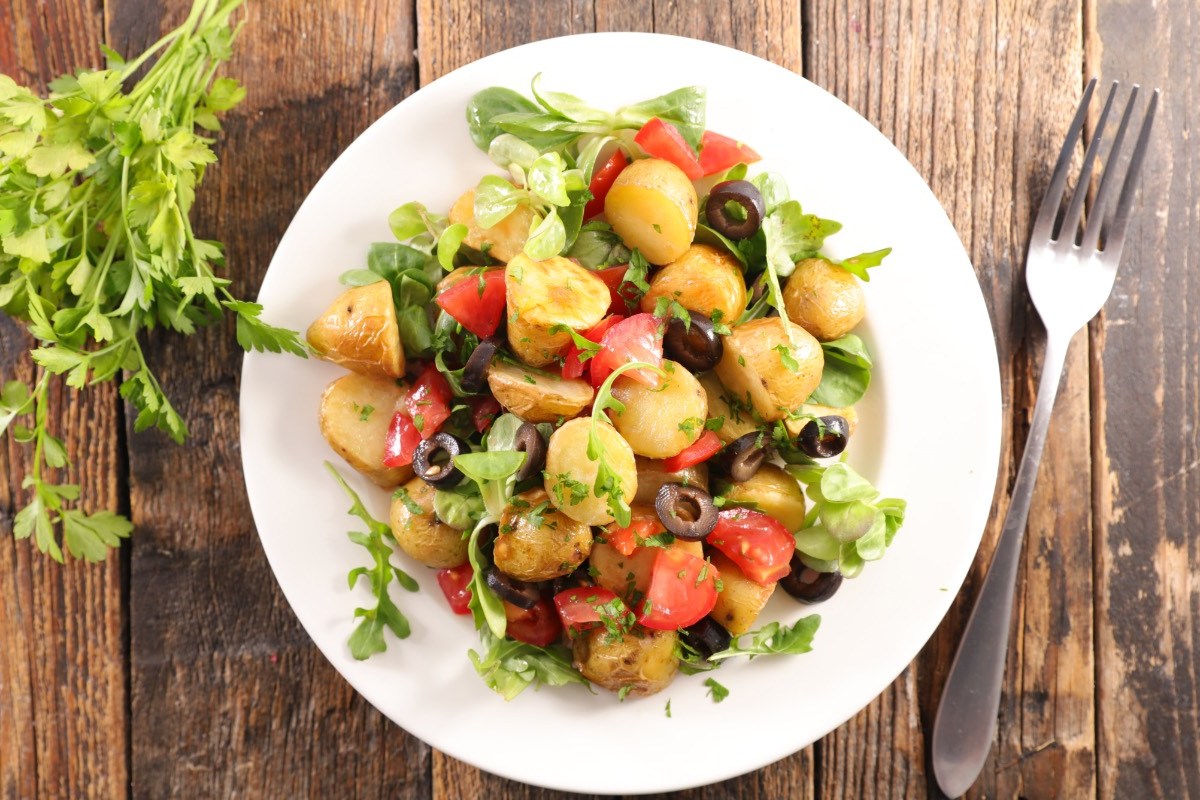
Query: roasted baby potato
(537, 543)
(703, 279)
(418, 531)
(504, 240)
(356, 412)
(543, 294)
(772, 491)
(359, 331)
(660, 421)
(643, 660)
(629, 576)
(740, 600)
(754, 363)
(824, 299)
(794, 426)
(652, 475)
(572, 475)
(736, 414)
(536, 396)
(652, 206)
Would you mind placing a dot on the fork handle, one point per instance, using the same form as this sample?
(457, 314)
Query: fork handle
(966, 717)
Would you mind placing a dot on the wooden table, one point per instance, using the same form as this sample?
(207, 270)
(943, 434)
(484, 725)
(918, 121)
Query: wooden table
(176, 667)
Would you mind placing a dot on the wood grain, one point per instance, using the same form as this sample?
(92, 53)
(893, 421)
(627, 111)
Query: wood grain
(63, 693)
(1147, 486)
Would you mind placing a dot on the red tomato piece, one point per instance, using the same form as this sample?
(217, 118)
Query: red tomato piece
(625, 540)
(456, 585)
(662, 140)
(573, 365)
(683, 589)
(636, 338)
(757, 542)
(602, 181)
(624, 294)
(704, 448)
(476, 303)
(484, 411)
(428, 401)
(586, 606)
(718, 153)
(402, 440)
(538, 625)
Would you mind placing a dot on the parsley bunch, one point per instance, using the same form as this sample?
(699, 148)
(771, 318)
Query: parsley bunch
(97, 183)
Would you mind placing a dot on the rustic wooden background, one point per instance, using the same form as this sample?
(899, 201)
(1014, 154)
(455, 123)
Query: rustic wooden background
(139, 677)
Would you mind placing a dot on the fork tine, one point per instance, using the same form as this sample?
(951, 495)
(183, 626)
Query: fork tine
(1070, 222)
(1091, 235)
(1043, 227)
(1115, 239)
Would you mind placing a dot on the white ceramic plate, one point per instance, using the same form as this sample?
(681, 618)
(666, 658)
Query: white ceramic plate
(928, 328)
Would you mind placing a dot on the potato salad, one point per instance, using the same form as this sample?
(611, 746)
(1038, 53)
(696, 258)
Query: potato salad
(611, 390)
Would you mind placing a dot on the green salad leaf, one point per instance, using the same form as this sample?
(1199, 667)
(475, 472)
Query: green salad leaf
(774, 639)
(508, 667)
(847, 373)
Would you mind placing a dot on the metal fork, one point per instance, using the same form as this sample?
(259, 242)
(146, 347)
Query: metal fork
(1069, 277)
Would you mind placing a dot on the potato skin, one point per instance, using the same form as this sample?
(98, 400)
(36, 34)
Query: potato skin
(629, 576)
(359, 332)
(642, 659)
(702, 280)
(752, 366)
(652, 416)
(652, 206)
(722, 404)
(535, 397)
(539, 552)
(543, 294)
(740, 600)
(361, 441)
(652, 475)
(824, 299)
(566, 456)
(504, 240)
(772, 491)
(421, 536)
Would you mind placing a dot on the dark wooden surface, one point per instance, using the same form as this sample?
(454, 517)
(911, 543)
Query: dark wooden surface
(139, 677)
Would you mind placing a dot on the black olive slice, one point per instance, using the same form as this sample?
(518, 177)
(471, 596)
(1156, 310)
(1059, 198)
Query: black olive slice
(474, 376)
(685, 511)
(741, 458)
(824, 437)
(807, 584)
(706, 637)
(433, 460)
(519, 593)
(695, 345)
(530, 442)
(745, 195)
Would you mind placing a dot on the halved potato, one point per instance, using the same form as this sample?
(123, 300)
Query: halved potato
(824, 299)
(652, 206)
(356, 412)
(359, 331)
(502, 241)
(736, 414)
(629, 576)
(544, 294)
(572, 475)
(658, 422)
(703, 279)
(641, 660)
(418, 531)
(652, 475)
(536, 396)
(753, 364)
(536, 543)
(849, 413)
(772, 491)
(740, 600)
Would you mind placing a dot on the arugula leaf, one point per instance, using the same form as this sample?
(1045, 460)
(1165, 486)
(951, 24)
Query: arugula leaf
(508, 667)
(774, 639)
(859, 264)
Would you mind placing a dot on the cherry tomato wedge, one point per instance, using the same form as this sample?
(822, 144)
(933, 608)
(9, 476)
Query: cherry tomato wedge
(538, 625)
(476, 302)
(625, 540)
(636, 338)
(718, 153)
(428, 401)
(602, 181)
(573, 365)
(484, 411)
(757, 542)
(662, 140)
(456, 585)
(700, 450)
(587, 606)
(683, 589)
(624, 294)
(402, 440)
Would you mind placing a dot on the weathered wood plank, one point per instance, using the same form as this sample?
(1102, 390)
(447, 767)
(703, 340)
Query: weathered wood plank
(977, 95)
(63, 694)
(230, 697)
(1146, 359)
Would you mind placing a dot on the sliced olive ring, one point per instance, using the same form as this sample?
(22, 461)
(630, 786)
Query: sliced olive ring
(687, 512)
(474, 375)
(807, 584)
(695, 344)
(433, 460)
(741, 458)
(519, 593)
(530, 442)
(706, 637)
(742, 193)
(824, 437)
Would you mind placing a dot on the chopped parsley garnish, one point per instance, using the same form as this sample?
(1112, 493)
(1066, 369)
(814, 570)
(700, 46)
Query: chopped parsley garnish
(715, 690)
